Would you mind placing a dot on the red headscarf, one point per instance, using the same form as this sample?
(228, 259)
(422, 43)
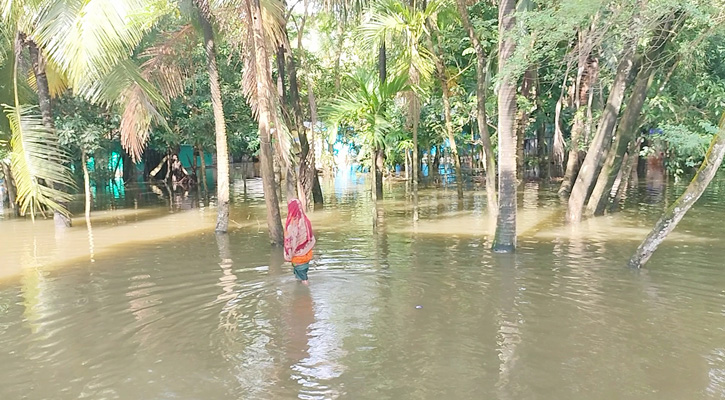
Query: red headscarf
(298, 238)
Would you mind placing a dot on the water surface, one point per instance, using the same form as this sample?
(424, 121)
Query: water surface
(154, 305)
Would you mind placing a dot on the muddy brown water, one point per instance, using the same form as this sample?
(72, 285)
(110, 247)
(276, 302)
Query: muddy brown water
(154, 305)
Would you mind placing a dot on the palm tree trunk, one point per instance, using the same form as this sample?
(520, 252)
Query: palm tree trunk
(265, 92)
(220, 130)
(505, 238)
(481, 84)
(601, 141)
(674, 214)
(46, 111)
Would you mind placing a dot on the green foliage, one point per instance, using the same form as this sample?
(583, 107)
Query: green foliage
(37, 162)
(366, 108)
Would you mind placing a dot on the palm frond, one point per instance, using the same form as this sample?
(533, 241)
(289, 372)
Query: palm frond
(87, 38)
(142, 103)
(37, 161)
(168, 63)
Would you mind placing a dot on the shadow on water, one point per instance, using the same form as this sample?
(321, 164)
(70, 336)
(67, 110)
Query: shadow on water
(171, 310)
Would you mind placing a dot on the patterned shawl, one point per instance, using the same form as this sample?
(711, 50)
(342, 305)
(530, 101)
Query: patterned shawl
(298, 238)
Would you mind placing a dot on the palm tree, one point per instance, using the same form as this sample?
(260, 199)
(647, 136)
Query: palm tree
(84, 45)
(366, 109)
(222, 223)
(505, 238)
(405, 25)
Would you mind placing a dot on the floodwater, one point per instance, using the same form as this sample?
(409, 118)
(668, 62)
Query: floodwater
(154, 305)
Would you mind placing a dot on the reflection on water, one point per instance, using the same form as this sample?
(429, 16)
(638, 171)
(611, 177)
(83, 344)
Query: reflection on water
(171, 310)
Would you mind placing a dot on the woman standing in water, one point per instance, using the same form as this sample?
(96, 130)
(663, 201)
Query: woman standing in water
(298, 239)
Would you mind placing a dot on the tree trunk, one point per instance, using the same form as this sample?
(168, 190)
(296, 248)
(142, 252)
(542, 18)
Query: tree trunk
(558, 150)
(601, 141)
(379, 165)
(587, 74)
(203, 169)
(629, 164)
(416, 165)
(481, 85)
(379, 156)
(312, 173)
(528, 91)
(374, 186)
(86, 186)
(265, 92)
(10, 186)
(505, 238)
(626, 132)
(46, 111)
(674, 214)
(220, 130)
(306, 173)
(441, 72)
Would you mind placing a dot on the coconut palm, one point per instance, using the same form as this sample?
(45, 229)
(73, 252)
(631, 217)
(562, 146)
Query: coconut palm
(84, 45)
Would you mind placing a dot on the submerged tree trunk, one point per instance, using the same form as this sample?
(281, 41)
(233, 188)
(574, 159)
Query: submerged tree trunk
(416, 164)
(220, 130)
(481, 84)
(629, 164)
(9, 186)
(505, 238)
(674, 214)
(587, 75)
(265, 92)
(601, 141)
(46, 111)
(626, 129)
(558, 150)
(626, 132)
(86, 186)
(202, 168)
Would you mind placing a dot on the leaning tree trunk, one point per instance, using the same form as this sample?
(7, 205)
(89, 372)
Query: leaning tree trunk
(265, 92)
(220, 130)
(626, 133)
(505, 238)
(602, 140)
(674, 214)
(441, 72)
(46, 111)
(481, 84)
(626, 130)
